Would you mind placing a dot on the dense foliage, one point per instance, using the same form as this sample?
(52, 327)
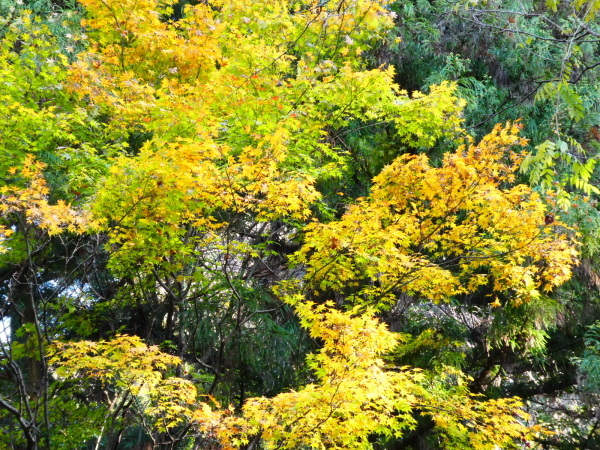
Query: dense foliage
(299, 224)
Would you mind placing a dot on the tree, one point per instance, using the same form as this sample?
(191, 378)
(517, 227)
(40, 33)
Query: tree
(443, 232)
(356, 396)
(131, 378)
(533, 60)
(192, 158)
(511, 60)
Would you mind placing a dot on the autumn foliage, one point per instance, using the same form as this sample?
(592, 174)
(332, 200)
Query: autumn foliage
(199, 140)
(447, 231)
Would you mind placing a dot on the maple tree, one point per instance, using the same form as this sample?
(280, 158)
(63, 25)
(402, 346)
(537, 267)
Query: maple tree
(179, 166)
(536, 61)
(357, 396)
(442, 232)
(135, 373)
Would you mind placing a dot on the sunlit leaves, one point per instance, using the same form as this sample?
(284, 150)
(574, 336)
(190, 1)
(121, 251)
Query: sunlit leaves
(131, 369)
(233, 116)
(29, 199)
(38, 115)
(439, 232)
(356, 395)
(236, 100)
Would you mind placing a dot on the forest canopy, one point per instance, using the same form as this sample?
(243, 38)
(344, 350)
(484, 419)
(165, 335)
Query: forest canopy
(297, 224)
